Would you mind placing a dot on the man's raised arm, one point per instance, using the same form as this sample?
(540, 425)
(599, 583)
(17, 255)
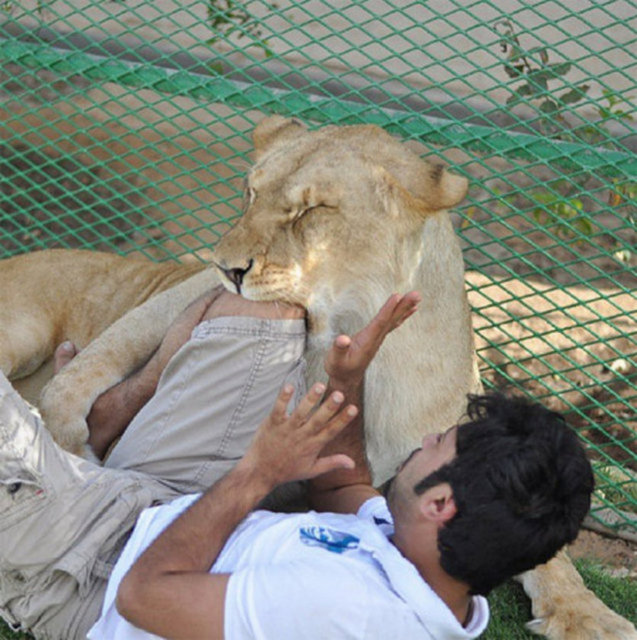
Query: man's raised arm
(344, 490)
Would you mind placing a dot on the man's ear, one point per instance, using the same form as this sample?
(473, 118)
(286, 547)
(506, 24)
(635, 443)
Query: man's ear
(437, 504)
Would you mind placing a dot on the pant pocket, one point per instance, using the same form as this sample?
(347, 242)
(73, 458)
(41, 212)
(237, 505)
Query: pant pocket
(21, 496)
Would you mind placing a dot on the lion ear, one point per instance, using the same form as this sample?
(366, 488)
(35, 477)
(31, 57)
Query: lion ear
(430, 184)
(441, 189)
(427, 187)
(424, 190)
(273, 131)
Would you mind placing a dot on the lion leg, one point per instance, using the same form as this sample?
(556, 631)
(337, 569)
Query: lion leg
(24, 345)
(564, 609)
(126, 345)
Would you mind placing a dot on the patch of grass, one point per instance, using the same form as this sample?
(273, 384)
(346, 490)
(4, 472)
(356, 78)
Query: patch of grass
(511, 609)
(620, 594)
(5, 634)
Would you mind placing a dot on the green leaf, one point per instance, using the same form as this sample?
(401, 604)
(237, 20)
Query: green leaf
(526, 90)
(544, 197)
(624, 115)
(513, 70)
(539, 215)
(515, 53)
(539, 85)
(574, 95)
(548, 106)
(584, 226)
(543, 53)
(551, 71)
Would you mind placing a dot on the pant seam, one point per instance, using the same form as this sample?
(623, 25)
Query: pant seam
(266, 328)
(167, 412)
(247, 389)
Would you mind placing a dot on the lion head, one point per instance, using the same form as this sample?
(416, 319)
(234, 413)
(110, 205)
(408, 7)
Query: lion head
(326, 209)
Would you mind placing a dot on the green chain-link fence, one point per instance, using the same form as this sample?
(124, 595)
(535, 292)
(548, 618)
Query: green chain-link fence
(125, 126)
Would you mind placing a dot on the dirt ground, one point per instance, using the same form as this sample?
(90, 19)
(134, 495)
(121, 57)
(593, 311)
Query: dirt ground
(618, 557)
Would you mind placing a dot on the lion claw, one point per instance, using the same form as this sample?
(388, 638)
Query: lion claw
(565, 609)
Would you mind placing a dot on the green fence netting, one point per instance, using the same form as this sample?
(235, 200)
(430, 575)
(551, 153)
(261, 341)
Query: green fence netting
(125, 126)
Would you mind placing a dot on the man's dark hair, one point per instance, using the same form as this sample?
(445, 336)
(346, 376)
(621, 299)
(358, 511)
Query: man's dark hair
(522, 485)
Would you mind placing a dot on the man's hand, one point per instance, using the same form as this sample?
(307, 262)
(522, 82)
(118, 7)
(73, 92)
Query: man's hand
(287, 448)
(348, 359)
(344, 489)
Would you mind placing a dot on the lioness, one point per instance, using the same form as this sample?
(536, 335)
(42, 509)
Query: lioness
(335, 220)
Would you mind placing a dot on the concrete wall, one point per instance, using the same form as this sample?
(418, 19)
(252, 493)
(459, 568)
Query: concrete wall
(447, 47)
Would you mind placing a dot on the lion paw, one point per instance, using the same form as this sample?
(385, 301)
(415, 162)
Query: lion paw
(70, 433)
(565, 609)
(583, 619)
(64, 417)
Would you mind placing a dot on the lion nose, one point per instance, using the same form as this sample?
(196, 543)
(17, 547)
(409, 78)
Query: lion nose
(236, 274)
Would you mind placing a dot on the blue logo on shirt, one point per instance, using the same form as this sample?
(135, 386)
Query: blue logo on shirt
(330, 539)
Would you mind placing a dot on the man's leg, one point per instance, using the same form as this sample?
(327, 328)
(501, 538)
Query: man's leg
(63, 521)
(214, 393)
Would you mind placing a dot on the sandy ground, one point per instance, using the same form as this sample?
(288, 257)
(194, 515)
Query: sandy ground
(618, 557)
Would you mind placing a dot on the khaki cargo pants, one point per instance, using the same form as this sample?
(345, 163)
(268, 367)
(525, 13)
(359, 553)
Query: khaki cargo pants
(64, 520)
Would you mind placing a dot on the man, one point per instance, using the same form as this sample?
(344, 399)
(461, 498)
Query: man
(276, 573)
(64, 520)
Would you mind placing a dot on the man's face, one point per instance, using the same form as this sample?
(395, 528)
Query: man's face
(437, 449)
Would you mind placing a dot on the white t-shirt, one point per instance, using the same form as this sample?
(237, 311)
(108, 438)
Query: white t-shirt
(307, 576)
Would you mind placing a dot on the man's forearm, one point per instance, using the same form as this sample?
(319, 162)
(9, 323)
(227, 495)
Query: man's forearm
(344, 490)
(169, 590)
(164, 580)
(115, 408)
(346, 363)
(194, 541)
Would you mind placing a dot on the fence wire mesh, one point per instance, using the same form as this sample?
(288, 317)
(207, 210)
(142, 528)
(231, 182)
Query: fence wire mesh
(125, 126)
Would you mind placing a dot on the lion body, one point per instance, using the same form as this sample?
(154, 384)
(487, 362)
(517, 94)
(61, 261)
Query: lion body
(335, 220)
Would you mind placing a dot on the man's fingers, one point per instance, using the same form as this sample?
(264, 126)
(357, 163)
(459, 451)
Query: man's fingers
(279, 411)
(407, 315)
(398, 321)
(330, 418)
(405, 306)
(337, 356)
(328, 409)
(331, 463)
(342, 342)
(393, 313)
(308, 402)
(384, 317)
(339, 422)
